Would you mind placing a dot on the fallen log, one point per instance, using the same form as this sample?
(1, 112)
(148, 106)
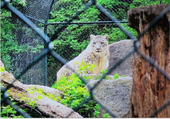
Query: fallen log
(42, 99)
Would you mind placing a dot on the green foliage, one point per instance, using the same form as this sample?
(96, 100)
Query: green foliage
(139, 3)
(85, 67)
(96, 108)
(8, 44)
(32, 103)
(106, 115)
(2, 69)
(72, 88)
(104, 71)
(19, 2)
(8, 111)
(75, 93)
(116, 76)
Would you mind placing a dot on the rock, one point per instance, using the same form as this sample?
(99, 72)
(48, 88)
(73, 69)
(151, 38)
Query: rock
(114, 94)
(27, 93)
(117, 51)
(92, 77)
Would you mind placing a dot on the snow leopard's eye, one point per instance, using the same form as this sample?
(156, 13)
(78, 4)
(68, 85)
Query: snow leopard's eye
(102, 42)
(94, 42)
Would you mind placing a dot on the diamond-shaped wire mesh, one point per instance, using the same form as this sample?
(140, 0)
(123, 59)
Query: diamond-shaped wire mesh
(39, 12)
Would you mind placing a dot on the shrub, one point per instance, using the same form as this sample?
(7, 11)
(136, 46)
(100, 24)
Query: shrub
(74, 93)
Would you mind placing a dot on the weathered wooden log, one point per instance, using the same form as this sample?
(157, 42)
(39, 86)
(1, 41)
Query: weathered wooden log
(41, 98)
(150, 88)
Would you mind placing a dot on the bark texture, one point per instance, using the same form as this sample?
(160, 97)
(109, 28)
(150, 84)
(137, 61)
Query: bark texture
(150, 88)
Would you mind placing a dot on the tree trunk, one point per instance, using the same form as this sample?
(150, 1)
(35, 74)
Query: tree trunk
(150, 88)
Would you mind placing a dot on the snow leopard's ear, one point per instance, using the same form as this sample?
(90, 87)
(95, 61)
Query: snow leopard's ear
(92, 37)
(105, 37)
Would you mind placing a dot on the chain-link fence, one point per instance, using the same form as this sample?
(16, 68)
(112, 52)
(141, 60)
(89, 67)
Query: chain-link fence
(30, 66)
